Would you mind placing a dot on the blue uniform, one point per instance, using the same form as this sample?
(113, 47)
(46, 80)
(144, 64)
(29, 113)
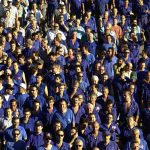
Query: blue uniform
(111, 146)
(8, 133)
(66, 119)
(35, 141)
(142, 145)
(92, 141)
(15, 145)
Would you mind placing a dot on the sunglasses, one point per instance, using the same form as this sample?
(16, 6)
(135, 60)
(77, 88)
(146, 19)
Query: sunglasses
(16, 134)
(78, 145)
(61, 135)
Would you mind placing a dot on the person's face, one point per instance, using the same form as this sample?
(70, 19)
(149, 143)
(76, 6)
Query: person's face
(105, 91)
(131, 122)
(94, 81)
(102, 70)
(109, 39)
(80, 76)
(127, 97)
(9, 91)
(57, 126)
(63, 106)
(15, 65)
(148, 76)
(47, 140)
(56, 27)
(72, 132)
(27, 115)
(90, 109)
(9, 112)
(96, 127)
(15, 123)
(79, 145)
(16, 135)
(109, 53)
(7, 13)
(36, 106)
(21, 89)
(80, 97)
(39, 79)
(109, 118)
(62, 88)
(60, 136)
(135, 146)
(13, 105)
(136, 134)
(123, 18)
(9, 62)
(79, 58)
(132, 87)
(77, 22)
(107, 138)
(38, 129)
(76, 101)
(34, 91)
(97, 67)
(1, 100)
(92, 99)
(109, 107)
(51, 103)
(105, 78)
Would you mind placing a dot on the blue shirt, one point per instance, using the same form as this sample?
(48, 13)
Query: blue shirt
(35, 141)
(92, 141)
(110, 146)
(142, 146)
(19, 145)
(65, 146)
(43, 148)
(8, 133)
(113, 129)
(66, 119)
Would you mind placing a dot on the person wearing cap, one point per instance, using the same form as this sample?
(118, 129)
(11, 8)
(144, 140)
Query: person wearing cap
(16, 143)
(35, 140)
(64, 115)
(21, 95)
(47, 143)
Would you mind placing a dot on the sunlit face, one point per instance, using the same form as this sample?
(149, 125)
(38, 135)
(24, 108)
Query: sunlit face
(63, 106)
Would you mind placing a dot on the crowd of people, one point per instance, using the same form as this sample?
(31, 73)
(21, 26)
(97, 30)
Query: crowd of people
(75, 75)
